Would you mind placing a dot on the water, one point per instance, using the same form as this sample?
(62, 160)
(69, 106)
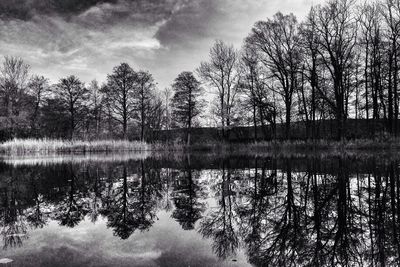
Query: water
(200, 210)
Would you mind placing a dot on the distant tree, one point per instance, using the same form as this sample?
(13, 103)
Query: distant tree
(13, 85)
(120, 91)
(54, 121)
(144, 94)
(167, 95)
(110, 124)
(221, 73)
(185, 101)
(278, 41)
(72, 92)
(96, 106)
(39, 89)
(155, 118)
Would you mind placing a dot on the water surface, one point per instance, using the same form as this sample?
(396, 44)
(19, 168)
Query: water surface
(200, 210)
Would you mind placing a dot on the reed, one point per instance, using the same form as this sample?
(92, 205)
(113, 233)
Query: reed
(54, 146)
(279, 146)
(17, 147)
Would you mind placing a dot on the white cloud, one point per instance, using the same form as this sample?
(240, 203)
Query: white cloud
(164, 37)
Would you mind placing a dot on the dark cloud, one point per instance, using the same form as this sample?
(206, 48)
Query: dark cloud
(64, 25)
(194, 20)
(88, 37)
(27, 9)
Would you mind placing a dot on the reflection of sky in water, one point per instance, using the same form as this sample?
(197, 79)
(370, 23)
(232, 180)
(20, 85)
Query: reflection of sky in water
(157, 213)
(92, 244)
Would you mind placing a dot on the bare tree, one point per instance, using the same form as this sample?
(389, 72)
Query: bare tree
(185, 102)
(120, 91)
(72, 92)
(278, 41)
(312, 70)
(391, 14)
(39, 88)
(96, 105)
(144, 95)
(166, 98)
(221, 73)
(368, 14)
(253, 84)
(13, 84)
(337, 30)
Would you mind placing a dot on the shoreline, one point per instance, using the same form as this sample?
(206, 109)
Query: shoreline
(21, 147)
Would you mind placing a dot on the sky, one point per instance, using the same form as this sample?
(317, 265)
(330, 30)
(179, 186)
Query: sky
(87, 38)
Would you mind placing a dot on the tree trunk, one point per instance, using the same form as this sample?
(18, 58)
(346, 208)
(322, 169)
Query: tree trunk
(390, 96)
(287, 122)
(255, 122)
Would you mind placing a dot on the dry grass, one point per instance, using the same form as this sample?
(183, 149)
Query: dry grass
(18, 147)
(276, 147)
(53, 146)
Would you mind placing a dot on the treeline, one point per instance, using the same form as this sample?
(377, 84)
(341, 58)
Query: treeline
(340, 62)
(71, 109)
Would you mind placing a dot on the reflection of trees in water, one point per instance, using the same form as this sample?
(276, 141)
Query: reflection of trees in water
(320, 216)
(186, 196)
(270, 218)
(132, 202)
(71, 209)
(220, 223)
(317, 213)
(14, 228)
(94, 194)
(37, 214)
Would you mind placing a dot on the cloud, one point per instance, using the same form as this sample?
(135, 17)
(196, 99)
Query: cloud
(87, 38)
(96, 30)
(27, 9)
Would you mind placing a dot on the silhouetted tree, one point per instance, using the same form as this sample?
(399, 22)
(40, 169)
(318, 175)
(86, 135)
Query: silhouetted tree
(95, 107)
(188, 209)
(221, 73)
(144, 96)
(336, 28)
(278, 41)
(185, 101)
(13, 86)
(120, 92)
(39, 88)
(72, 94)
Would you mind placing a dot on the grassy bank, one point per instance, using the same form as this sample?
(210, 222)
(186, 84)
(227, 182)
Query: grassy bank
(47, 146)
(19, 147)
(392, 144)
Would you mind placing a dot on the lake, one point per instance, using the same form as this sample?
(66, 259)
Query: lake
(200, 210)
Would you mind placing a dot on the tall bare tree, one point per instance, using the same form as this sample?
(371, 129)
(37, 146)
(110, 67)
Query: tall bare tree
(72, 92)
(278, 40)
(120, 91)
(39, 89)
(337, 29)
(145, 93)
(96, 105)
(13, 85)
(221, 74)
(391, 14)
(185, 102)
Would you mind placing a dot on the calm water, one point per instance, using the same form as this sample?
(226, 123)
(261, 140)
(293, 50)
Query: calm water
(200, 211)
